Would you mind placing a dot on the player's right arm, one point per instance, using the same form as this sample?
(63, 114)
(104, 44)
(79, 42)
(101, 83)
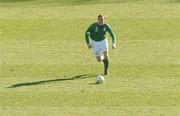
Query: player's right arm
(87, 34)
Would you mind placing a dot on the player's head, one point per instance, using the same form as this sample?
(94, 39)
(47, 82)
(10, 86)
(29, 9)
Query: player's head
(100, 20)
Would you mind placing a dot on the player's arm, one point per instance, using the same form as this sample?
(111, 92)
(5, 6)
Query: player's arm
(112, 36)
(87, 34)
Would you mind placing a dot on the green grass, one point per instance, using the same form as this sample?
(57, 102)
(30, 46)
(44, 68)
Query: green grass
(47, 70)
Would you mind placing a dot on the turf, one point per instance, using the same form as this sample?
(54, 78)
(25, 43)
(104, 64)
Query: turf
(47, 70)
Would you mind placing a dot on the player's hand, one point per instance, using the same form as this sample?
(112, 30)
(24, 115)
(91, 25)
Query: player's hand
(113, 46)
(89, 46)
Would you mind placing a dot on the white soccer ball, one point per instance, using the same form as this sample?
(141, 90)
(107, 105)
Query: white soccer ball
(99, 79)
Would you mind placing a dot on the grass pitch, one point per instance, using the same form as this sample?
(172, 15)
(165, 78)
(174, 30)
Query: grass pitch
(47, 70)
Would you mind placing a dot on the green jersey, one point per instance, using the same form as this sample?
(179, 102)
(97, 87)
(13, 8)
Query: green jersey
(98, 33)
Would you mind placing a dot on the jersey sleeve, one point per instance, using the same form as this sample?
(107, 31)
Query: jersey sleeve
(111, 34)
(88, 33)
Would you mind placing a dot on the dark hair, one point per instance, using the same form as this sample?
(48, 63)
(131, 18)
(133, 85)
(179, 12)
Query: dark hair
(100, 16)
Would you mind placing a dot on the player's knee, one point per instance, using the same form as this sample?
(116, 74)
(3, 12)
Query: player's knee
(105, 53)
(106, 57)
(99, 59)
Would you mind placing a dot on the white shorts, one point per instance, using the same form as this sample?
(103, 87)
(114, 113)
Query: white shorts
(99, 47)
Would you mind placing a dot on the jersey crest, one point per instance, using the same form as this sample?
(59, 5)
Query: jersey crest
(88, 33)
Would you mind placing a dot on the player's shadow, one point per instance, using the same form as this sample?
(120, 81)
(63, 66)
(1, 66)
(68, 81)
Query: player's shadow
(77, 77)
(14, 1)
(173, 1)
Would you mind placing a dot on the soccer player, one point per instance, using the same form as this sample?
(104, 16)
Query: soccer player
(98, 42)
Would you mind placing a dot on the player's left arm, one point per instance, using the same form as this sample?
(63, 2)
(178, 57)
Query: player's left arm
(112, 36)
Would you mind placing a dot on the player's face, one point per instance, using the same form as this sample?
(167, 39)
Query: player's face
(101, 21)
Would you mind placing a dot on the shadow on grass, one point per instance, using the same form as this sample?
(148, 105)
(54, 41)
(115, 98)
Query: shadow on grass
(70, 2)
(90, 2)
(15, 1)
(173, 1)
(77, 77)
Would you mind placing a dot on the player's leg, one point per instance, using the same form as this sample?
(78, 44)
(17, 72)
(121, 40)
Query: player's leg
(105, 54)
(106, 62)
(100, 50)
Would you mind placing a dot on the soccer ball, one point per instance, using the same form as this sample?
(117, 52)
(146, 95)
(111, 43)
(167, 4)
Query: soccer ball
(99, 79)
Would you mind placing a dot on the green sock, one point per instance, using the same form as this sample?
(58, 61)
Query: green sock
(106, 65)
